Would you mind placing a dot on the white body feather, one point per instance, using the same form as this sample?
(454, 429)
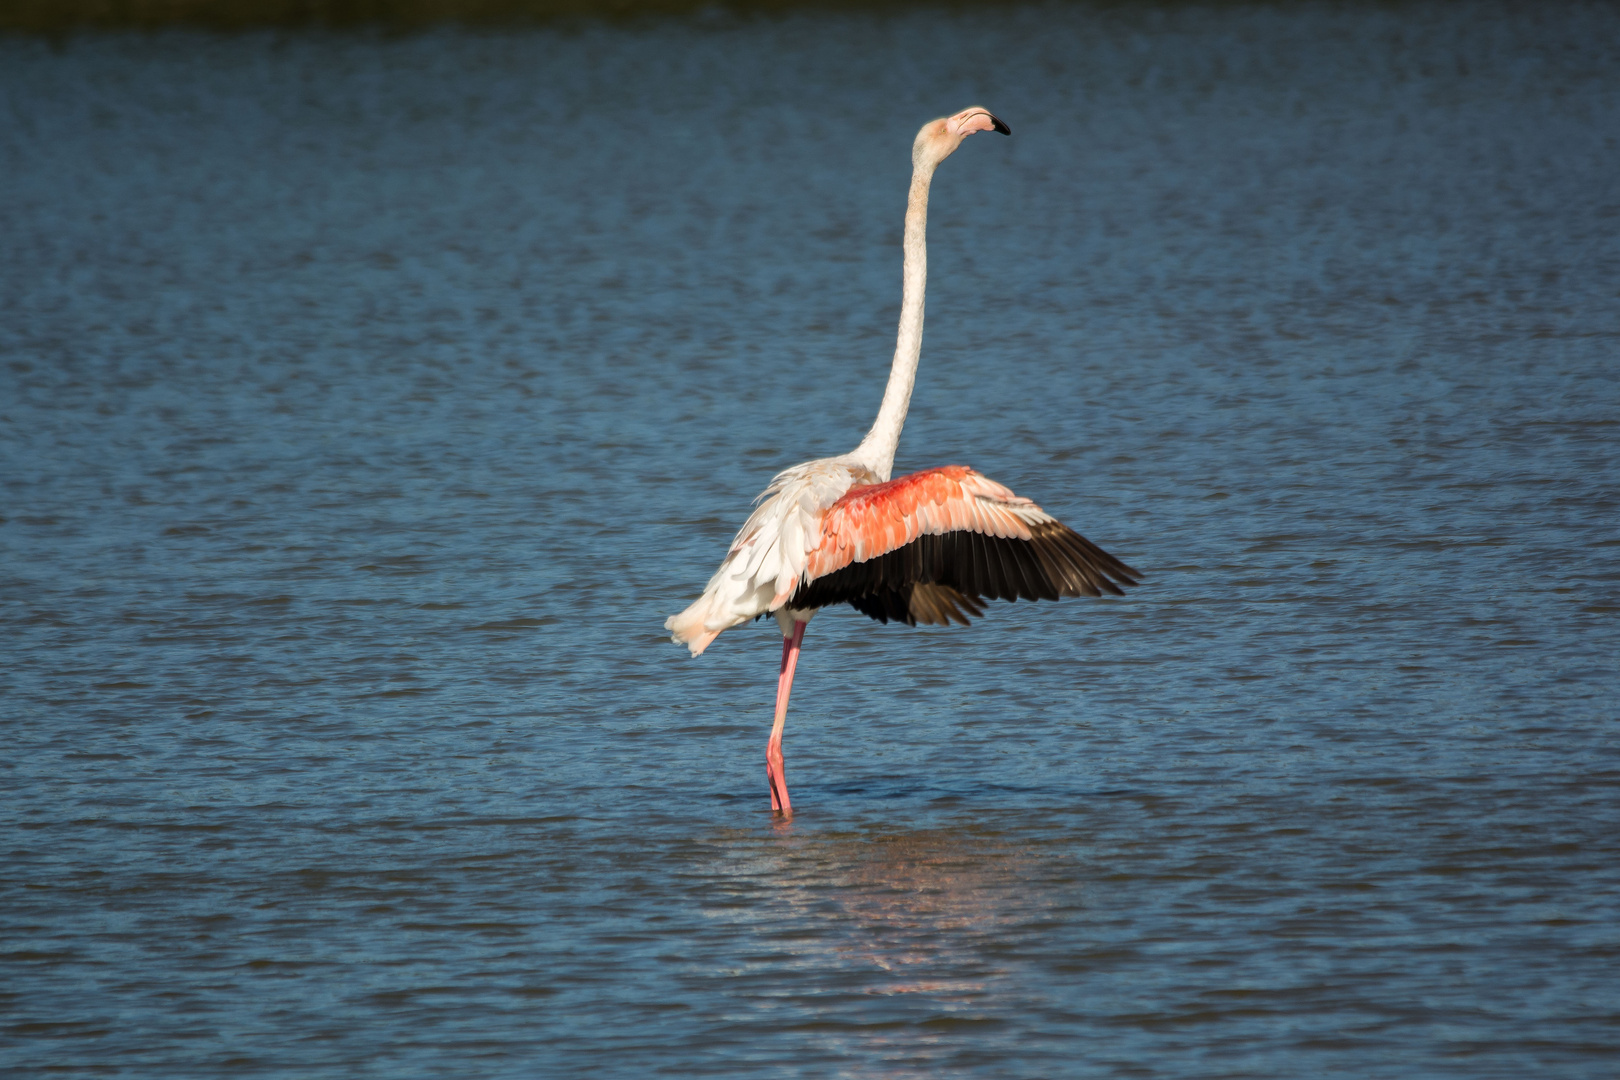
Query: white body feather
(768, 555)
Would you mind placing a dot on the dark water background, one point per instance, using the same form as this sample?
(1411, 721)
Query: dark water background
(366, 403)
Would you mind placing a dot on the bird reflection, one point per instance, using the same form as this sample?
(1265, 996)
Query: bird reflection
(935, 912)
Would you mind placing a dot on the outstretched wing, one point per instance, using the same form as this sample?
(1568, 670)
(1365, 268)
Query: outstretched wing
(926, 547)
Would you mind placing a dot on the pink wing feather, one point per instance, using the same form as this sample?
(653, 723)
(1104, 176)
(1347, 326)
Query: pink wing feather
(879, 518)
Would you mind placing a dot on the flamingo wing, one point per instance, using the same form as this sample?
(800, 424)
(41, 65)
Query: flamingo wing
(927, 547)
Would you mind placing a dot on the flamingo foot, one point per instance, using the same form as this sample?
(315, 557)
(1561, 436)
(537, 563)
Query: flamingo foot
(777, 776)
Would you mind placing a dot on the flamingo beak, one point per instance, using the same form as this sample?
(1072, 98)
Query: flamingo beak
(966, 123)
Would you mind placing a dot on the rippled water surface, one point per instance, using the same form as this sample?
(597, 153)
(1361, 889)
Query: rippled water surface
(367, 403)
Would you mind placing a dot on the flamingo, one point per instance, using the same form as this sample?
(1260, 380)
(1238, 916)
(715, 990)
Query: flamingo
(926, 548)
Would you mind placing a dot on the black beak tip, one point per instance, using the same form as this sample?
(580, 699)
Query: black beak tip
(997, 123)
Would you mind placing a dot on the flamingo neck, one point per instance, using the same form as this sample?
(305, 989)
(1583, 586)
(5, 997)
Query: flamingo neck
(876, 452)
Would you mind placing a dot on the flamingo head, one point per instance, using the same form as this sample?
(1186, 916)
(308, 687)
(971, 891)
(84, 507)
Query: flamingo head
(938, 139)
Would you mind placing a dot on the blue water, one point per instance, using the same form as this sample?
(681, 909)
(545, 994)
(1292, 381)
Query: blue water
(367, 402)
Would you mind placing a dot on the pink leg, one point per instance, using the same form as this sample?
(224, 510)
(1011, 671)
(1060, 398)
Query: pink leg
(773, 750)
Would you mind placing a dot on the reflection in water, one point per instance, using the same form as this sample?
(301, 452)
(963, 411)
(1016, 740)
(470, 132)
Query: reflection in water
(930, 904)
(943, 917)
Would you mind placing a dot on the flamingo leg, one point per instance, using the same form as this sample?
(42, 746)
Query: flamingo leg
(773, 750)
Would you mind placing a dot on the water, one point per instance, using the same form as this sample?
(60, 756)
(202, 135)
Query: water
(367, 403)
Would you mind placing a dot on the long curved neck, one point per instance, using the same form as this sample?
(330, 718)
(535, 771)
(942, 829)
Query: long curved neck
(876, 451)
